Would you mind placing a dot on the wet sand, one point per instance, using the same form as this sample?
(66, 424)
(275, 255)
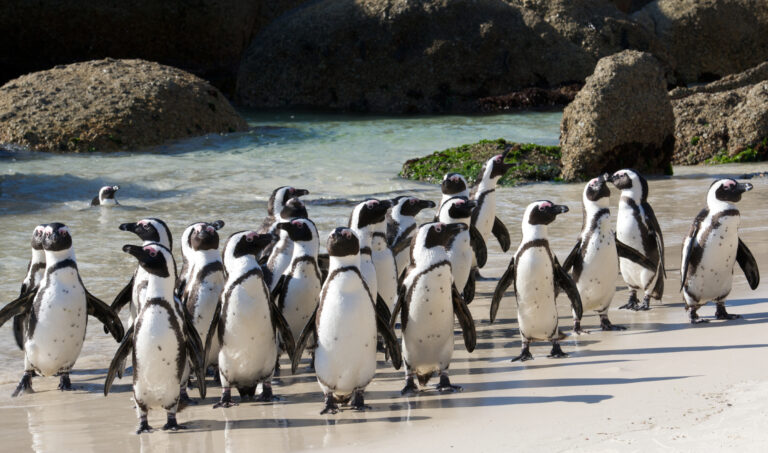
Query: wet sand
(660, 385)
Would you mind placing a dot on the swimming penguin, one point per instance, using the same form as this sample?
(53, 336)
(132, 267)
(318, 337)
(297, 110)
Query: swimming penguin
(297, 292)
(106, 197)
(536, 275)
(401, 227)
(281, 252)
(711, 248)
(453, 185)
(54, 329)
(31, 283)
(484, 215)
(277, 201)
(636, 226)
(248, 322)
(465, 247)
(345, 325)
(160, 340)
(204, 282)
(427, 302)
(595, 257)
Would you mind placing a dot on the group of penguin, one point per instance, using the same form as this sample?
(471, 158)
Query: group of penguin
(269, 291)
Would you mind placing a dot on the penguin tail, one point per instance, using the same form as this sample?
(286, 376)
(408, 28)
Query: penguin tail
(424, 378)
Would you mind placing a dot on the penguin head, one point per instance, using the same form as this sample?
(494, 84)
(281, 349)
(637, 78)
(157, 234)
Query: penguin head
(453, 183)
(244, 243)
(543, 212)
(56, 237)
(458, 207)
(280, 197)
(495, 167)
(369, 212)
(343, 242)
(631, 183)
(150, 230)
(204, 236)
(107, 193)
(154, 258)
(37, 237)
(410, 206)
(293, 208)
(727, 190)
(299, 230)
(438, 234)
(597, 190)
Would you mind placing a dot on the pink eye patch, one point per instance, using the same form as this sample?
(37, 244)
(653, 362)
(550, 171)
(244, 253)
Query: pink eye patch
(729, 184)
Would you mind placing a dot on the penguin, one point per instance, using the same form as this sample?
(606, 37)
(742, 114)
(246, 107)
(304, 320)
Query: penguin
(297, 292)
(401, 227)
(636, 226)
(205, 281)
(281, 253)
(711, 248)
(453, 185)
(247, 323)
(537, 275)
(484, 215)
(54, 329)
(161, 340)
(277, 201)
(595, 257)
(186, 251)
(427, 303)
(345, 324)
(31, 283)
(383, 259)
(106, 197)
(465, 247)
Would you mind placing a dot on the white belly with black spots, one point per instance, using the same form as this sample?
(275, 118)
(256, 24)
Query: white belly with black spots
(536, 308)
(487, 215)
(428, 337)
(628, 232)
(208, 293)
(157, 355)
(58, 335)
(249, 350)
(345, 357)
(597, 282)
(713, 276)
(460, 255)
(301, 297)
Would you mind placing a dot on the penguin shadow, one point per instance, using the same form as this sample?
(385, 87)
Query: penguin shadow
(340, 419)
(531, 366)
(672, 349)
(447, 403)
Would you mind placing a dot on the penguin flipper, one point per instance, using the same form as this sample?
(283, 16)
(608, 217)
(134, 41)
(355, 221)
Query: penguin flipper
(571, 258)
(564, 281)
(301, 344)
(197, 351)
(399, 306)
(382, 310)
(212, 331)
(95, 201)
(18, 306)
(276, 295)
(501, 233)
(688, 245)
(116, 365)
(632, 254)
(101, 311)
(281, 326)
(123, 297)
(748, 264)
(478, 246)
(506, 279)
(653, 223)
(469, 288)
(390, 339)
(466, 322)
(18, 329)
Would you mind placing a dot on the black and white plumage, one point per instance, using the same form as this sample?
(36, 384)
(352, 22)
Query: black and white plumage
(637, 227)
(31, 282)
(711, 249)
(278, 255)
(453, 185)
(484, 215)
(427, 303)
(277, 200)
(106, 196)
(537, 276)
(162, 340)
(401, 227)
(55, 316)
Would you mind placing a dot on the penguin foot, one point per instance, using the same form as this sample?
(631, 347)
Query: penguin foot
(358, 402)
(410, 387)
(695, 319)
(480, 278)
(525, 354)
(645, 305)
(577, 328)
(247, 393)
(632, 303)
(606, 325)
(380, 346)
(312, 362)
(226, 400)
(185, 400)
(557, 352)
(267, 397)
(172, 425)
(330, 406)
(25, 385)
(720, 313)
(144, 427)
(64, 383)
(445, 386)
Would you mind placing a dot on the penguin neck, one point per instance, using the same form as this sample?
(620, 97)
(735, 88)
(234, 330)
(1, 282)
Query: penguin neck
(403, 221)
(633, 193)
(379, 236)
(486, 184)
(240, 265)
(305, 248)
(716, 205)
(591, 208)
(160, 288)
(38, 257)
(364, 234)
(53, 257)
(108, 202)
(202, 257)
(426, 257)
(337, 262)
(533, 232)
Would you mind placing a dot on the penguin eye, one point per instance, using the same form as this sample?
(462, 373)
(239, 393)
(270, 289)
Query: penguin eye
(291, 190)
(412, 201)
(438, 228)
(63, 232)
(152, 252)
(249, 239)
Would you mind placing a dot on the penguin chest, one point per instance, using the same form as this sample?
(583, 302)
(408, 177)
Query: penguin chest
(54, 342)
(202, 303)
(486, 214)
(428, 337)
(249, 346)
(158, 357)
(345, 357)
(600, 266)
(536, 308)
(631, 231)
(302, 294)
(139, 290)
(368, 270)
(460, 255)
(712, 276)
(386, 276)
(280, 258)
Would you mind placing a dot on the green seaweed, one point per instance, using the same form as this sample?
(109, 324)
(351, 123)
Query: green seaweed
(754, 153)
(695, 139)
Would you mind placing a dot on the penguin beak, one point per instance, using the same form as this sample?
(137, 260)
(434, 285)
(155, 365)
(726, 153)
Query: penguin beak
(300, 192)
(453, 229)
(129, 227)
(609, 178)
(285, 226)
(559, 209)
(137, 251)
(743, 187)
(217, 224)
(386, 204)
(471, 204)
(424, 204)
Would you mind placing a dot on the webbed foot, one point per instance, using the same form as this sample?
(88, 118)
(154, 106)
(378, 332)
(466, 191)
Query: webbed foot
(64, 383)
(557, 352)
(358, 402)
(330, 406)
(410, 387)
(577, 328)
(445, 386)
(525, 355)
(721, 313)
(144, 427)
(226, 400)
(25, 385)
(645, 305)
(607, 325)
(632, 303)
(172, 425)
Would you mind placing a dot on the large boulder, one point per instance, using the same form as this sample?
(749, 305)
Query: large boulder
(428, 55)
(205, 37)
(709, 38)
(111, 105)
(621, 118)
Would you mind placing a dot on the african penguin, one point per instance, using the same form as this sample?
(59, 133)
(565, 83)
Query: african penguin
(277, 201)
(160, 340)
(484, 215)
(427, 303)
(636, 226)
(186, 251)
(246, 324)
(280, 253)
(365, 220)
(453, 185)
(711, 248)
(465, 247)
(35, 270)
(56, 315)
(106, 197)
(401, 227)
(345, 325)
(536, 275)
(384, 262)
